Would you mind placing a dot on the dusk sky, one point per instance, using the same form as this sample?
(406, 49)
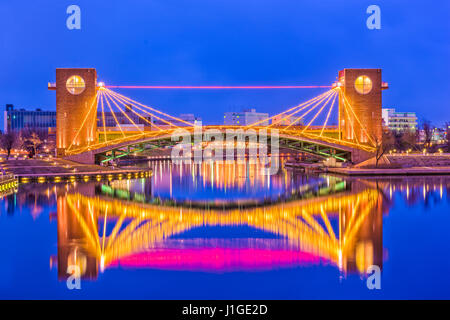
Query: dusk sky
(228, 42)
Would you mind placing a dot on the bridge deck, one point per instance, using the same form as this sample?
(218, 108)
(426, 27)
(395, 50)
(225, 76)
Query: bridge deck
(309, 142)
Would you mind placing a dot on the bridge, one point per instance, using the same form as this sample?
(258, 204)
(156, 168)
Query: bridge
(96, 124)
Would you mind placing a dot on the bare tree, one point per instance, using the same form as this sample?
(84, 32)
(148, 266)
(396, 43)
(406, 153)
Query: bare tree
(31, 140)
(409, 139)
(383, 146)
(428, 132)
(8, 141)
(405, 140)
(35, 142)
(447, 129)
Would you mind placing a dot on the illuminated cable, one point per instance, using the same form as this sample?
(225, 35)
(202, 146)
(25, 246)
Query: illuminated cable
(289, 110)
(104, 229)
(306, 105)
(307, 112)
(299, 118)
(319, 112)
(118, 99)
(84, 121)
(327, 223)
(328, 115)
(124, 113)
(137, 107)
(352, 216)
(150, 108)
(360, 124)
(354, 135)
(103, 116)
(217, 87)
(114, 116)
(111, 93)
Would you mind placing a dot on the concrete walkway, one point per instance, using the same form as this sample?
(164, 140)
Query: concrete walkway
(43, 170)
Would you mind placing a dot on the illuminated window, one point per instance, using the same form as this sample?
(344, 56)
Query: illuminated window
(363, 84)
(75, 85)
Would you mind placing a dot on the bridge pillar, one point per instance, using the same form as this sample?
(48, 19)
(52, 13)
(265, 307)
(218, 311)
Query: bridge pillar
(362, 89)
(76, 108)
(73, 248)
(366, 249)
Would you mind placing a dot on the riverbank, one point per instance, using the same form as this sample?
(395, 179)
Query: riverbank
(57, 170)
(391, 172)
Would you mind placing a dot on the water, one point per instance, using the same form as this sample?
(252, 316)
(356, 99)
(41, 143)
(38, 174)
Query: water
(220, 231)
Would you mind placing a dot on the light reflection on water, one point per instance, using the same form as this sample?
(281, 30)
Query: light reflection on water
(222, 220)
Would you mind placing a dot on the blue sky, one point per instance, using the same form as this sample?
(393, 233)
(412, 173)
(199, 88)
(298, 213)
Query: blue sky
(228, 42)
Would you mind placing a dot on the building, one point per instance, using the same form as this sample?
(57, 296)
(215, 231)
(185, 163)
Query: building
(439, 135)
(436, 135)
(363, 89)
(16, 120)
(399, 121)
(245, 118)
(76, 92)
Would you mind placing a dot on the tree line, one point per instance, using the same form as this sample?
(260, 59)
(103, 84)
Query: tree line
(30, 140)
(408, 140)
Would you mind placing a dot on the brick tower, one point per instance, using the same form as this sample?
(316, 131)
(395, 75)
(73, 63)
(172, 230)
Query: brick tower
(362, 88)
(76, 107)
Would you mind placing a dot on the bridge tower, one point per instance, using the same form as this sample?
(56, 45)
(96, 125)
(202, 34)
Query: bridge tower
(362, 89)
(76, 107)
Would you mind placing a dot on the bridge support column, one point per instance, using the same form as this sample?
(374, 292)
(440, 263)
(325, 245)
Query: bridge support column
(361, 155)
(76, 108)
(362, 89)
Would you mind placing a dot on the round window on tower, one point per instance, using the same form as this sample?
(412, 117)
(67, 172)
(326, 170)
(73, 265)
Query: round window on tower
(363, 84)
(75, 85)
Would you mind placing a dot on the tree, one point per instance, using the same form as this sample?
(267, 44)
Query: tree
(409, 139)
(383, 146)
(405, 140)
(35, 142)
(31, 140)
(428, 132)
(447, 129)
(8, 142)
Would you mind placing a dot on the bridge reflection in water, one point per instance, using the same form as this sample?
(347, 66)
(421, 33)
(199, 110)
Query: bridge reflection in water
(98, 232)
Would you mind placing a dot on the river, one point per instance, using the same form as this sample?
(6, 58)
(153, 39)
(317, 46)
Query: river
(225, 231)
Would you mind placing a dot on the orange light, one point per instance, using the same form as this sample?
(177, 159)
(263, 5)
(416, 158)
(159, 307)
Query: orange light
(218, 87)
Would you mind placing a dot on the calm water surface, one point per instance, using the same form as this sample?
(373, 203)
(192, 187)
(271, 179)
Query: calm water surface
(217, 231)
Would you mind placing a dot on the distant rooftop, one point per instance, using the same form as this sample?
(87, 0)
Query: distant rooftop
(10, 107)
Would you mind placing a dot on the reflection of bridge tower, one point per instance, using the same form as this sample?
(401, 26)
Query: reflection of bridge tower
(76, 108)
(361, 227)
(361, 89)
(73, 244)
